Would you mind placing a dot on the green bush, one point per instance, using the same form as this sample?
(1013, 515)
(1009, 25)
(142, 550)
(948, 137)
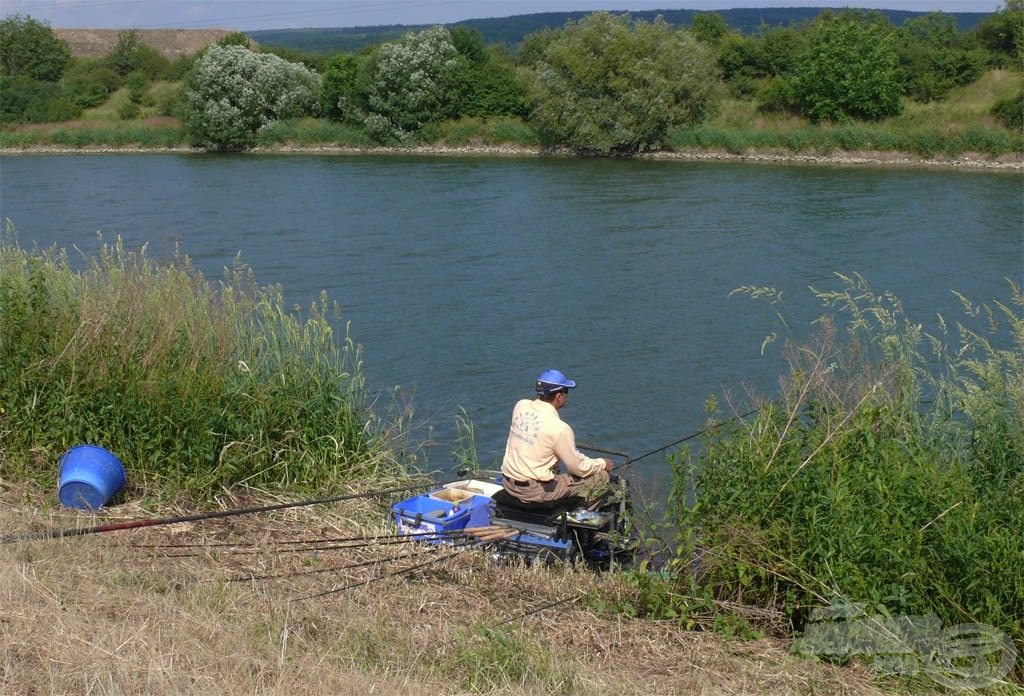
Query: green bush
(849, 70)
(232, 93)
(128, 111)
(405, 85)
(33, 101)
(1010, 111)
(30, 48)
(605, 84)
(935, 58)
(196, 384)
(883, 473)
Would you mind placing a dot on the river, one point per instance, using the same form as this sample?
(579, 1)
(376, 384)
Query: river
(464, 277)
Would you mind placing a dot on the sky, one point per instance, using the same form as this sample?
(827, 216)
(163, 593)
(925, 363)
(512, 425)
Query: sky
(252, 15)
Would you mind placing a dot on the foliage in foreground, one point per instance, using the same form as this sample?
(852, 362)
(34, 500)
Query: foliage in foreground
(883, 474)
(195, 385)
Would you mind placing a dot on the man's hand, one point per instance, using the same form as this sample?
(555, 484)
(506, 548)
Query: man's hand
(608, 466)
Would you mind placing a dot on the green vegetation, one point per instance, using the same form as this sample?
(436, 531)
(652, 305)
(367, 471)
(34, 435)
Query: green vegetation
(407, 86)
(605, 85)
(888, 471)
(28, 48)
(602, 84)
(848, 70)
(233, 93)
(199, 385)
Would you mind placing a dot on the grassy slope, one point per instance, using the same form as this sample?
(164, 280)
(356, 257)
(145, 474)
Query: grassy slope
(155, 611)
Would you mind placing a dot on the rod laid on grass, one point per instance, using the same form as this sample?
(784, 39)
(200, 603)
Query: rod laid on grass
(397, 573)
(156, 521)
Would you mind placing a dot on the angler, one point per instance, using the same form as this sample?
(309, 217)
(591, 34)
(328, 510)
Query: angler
(555, 516)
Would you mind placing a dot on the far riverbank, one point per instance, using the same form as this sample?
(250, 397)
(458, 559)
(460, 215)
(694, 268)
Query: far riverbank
(966, 161)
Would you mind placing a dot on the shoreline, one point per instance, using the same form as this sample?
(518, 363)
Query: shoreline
(967, 161)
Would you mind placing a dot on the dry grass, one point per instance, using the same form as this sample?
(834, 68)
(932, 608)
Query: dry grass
(963, 106)
(162, 610)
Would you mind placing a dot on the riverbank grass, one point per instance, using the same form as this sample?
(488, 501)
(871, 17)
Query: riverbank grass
(886, 477)
(199, 385)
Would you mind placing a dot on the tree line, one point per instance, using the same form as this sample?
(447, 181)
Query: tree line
(606, 83)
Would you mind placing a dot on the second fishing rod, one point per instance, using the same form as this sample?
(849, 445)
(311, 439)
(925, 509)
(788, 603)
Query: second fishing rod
(630, 460)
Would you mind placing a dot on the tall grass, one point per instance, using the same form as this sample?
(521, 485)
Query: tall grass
(195, 384)
(492, 132)
(888, 471)
(924, 141)
(126, 134)
(957, 125)
(310, 132)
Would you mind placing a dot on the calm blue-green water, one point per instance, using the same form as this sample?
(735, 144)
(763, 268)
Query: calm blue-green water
(463, 278)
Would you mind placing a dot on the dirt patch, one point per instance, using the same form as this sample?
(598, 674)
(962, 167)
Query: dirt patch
(172, 43)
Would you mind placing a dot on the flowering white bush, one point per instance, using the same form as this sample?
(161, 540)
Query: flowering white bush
(411, 84)
(233, 93)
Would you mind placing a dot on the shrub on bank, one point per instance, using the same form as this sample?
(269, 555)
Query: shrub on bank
(888, 472)
(197, 385)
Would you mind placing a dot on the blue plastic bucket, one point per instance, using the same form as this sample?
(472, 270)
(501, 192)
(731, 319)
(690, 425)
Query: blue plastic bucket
(89, 477)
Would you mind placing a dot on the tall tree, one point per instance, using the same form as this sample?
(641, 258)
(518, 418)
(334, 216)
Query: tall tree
(1002, 33)
(607, 84)
(409, 84)
(850, 70)
(934, 58)
(339, 97)
(29, 48)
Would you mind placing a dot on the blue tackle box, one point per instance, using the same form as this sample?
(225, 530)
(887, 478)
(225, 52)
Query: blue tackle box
(440, 512)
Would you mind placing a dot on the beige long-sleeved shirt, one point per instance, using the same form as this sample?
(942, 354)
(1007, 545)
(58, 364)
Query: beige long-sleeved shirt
(537, 440)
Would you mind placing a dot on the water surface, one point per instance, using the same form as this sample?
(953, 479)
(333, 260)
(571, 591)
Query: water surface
(463, 278)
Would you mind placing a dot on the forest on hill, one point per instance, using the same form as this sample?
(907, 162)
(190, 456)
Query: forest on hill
(511, 31)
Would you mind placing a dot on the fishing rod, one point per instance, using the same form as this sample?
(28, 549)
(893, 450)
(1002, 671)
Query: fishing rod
(317, 546)
(317, 571)
(602, 450)
(680, 441)
(154, 521)
(397, 573)
(305, 545)
(520, 617)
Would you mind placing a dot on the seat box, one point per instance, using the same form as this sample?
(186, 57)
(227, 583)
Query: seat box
(439, 513)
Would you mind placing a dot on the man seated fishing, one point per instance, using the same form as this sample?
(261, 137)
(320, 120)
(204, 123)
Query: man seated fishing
(538, 439)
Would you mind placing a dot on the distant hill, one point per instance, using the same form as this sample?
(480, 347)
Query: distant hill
(512, 30)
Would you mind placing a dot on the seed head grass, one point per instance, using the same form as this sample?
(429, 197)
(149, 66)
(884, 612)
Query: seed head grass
(888, 471)
(196, 385)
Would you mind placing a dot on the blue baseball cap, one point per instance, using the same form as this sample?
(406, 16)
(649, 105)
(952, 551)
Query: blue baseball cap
(553, 382)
